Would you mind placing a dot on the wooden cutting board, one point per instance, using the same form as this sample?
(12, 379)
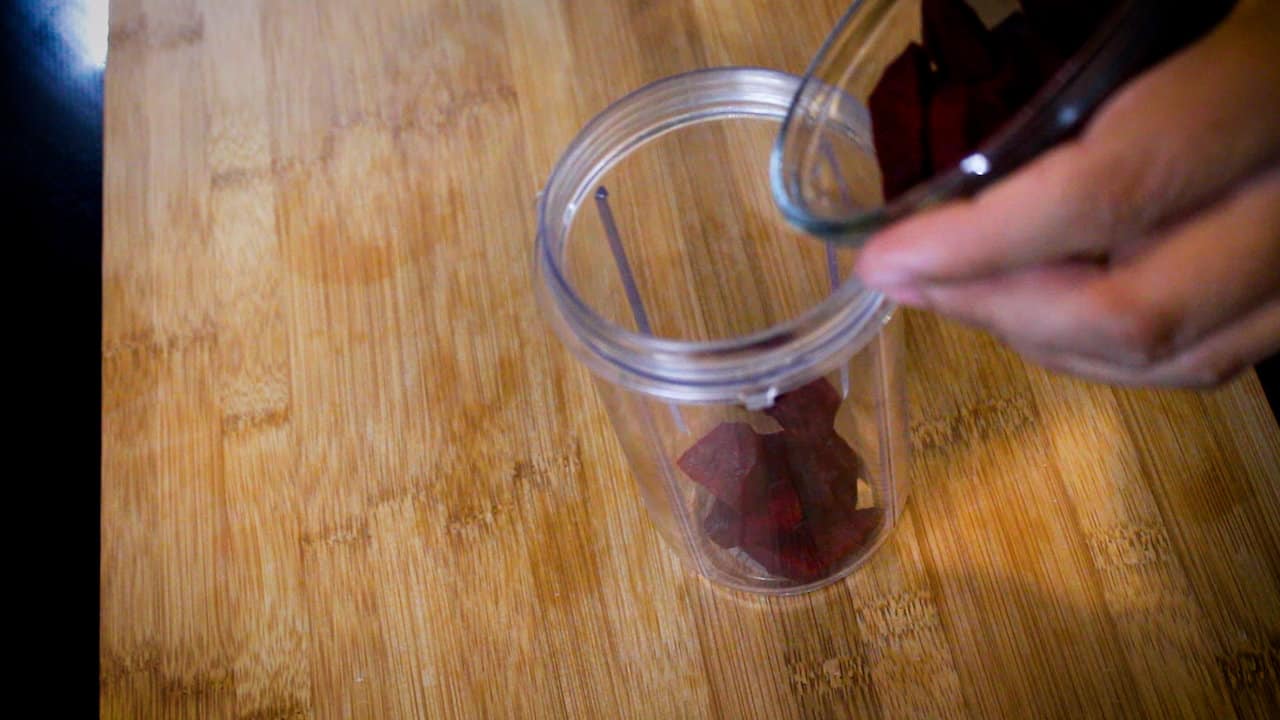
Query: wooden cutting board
(348, 472)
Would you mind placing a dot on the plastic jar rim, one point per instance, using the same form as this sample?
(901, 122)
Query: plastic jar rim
(751, 368)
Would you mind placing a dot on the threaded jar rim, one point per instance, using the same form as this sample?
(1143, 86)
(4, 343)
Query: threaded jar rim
(748, 369)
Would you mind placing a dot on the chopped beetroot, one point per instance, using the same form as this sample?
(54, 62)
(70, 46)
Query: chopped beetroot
(987, 109)
(1026, 59)
(948, 114)
(723, 525)
(899, 108)
(957, 40)
(728, 462)
(809, 409)
(779, 510)
(838, 540)
(824, 471)
(961, 116)
(925, 121)
(782, 505)
(781, 516)
(787, 499)
(828, 469)
(791, 555)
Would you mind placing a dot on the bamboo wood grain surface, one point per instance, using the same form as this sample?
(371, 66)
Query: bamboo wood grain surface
(349, 472)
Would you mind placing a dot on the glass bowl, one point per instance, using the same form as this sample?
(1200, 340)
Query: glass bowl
(824, 173)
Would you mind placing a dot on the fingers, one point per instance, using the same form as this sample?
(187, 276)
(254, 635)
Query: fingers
(1166, 145)
(1014, 224)
(1213, 361)
(1208, 271)
(1202, 275)
(1026, 308)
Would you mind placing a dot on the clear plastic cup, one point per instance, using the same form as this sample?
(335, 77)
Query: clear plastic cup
(755, 387)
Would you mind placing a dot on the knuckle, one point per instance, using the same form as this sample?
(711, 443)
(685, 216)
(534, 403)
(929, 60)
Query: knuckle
(1118, 191)
(1141, 333)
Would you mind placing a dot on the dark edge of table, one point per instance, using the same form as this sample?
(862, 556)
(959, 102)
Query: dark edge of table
(52, 140)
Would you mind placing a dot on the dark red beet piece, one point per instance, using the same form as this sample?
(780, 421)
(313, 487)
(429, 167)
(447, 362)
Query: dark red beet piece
(838, 540)
(987, 110)
(809, 409)
(728, 462)
(948, 113)
(775, 534)
(829, 490)
(783, 516)
(899, 108)
(826, 469)
(781, 476)
(779, 509)
(782, 505)
(1026, 60)
(796, 490)
(790, 555)
(723, 525)
(961, 116)
(925, 122)
(957, 40)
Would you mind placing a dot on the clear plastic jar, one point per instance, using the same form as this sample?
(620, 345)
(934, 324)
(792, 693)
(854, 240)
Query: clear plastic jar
(755, 387)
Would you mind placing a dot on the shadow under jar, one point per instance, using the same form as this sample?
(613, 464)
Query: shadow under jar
(755, 386)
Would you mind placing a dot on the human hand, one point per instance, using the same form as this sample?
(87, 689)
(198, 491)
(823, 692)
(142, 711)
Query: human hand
(1147, 250)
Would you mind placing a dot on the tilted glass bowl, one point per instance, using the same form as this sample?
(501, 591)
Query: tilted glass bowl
(824, 172)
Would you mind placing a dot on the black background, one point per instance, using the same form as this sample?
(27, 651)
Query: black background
(52, 165)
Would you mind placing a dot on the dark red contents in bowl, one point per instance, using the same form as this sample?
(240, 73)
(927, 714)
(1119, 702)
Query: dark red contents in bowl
(936, 103)
(898, 107)
(956, 40)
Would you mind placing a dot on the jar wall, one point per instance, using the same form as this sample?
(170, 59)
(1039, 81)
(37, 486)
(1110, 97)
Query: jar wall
(781, 499)
(752, 382)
